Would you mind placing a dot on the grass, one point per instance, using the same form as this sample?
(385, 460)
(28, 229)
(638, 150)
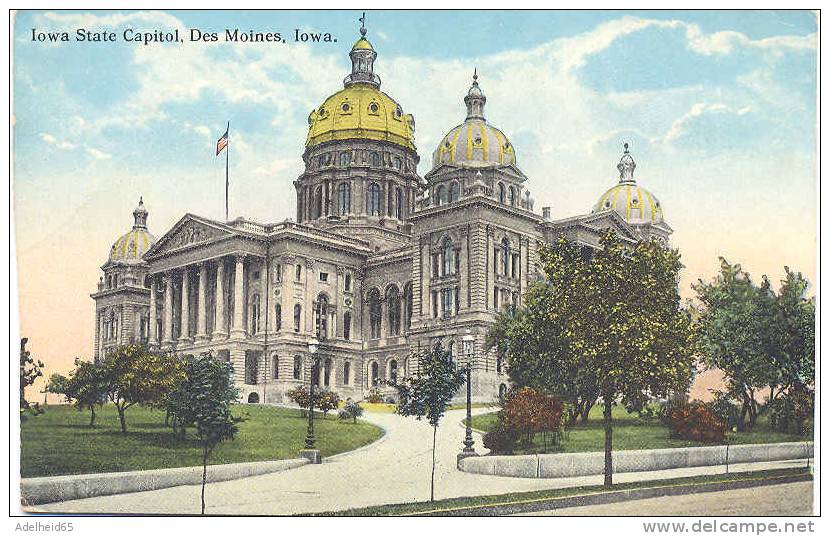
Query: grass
(631, 432)
(531, 496)
(60, 441)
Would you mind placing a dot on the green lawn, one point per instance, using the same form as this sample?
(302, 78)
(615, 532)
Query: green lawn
(632, 432)
(60, 442)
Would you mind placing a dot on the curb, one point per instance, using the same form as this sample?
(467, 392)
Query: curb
(50, 489)
(608, 497)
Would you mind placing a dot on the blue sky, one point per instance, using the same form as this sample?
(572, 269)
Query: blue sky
(720, 109)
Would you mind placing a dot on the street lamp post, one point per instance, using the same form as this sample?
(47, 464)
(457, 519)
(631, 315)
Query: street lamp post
(312, 454)
(469, 450)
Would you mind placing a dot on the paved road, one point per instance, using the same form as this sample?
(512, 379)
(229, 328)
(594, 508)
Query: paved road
(795, 499)
(395, 469)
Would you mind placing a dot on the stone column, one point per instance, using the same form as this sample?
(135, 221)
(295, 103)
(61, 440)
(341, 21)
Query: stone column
(238, 327)
(463, 267)
(153, 336)
(219, 322)
(492, 267)
(184, 332)
(168, 309)
(201, 321)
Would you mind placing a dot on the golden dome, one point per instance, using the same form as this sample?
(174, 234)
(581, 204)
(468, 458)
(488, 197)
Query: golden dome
(634, 203)
(361, 110)
(131, 247)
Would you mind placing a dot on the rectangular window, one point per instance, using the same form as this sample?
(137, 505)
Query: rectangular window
(278, 273)
(457, 299)
(324, 277)
(446, 301)
(435, 264)
(298, 272)
(495, 298)
(348, 283)
(435, 304)
(496, 255)
(457, 260)
(347, 325)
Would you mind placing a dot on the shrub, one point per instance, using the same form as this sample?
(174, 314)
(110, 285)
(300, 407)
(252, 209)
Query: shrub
(343, 415)
(352, 411)
(789, 413)
(326, 401)
(500, 440)
(726, 410)
(695, 422)
(298, 395)
(374, 396)
(528, 411)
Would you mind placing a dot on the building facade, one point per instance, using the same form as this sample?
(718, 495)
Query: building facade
(379, 263)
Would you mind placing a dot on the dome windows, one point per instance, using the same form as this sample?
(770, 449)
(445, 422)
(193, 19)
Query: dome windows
(397, 162)
(346, 108)
(608, 204)
(375, 157)
(345, 159)
(374, 109)
(322, 112)
(398, 112)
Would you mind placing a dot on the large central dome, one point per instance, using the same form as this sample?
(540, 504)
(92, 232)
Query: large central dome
(361, 110)
(475, 142)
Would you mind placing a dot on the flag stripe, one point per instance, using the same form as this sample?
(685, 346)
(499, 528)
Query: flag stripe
(222, 143)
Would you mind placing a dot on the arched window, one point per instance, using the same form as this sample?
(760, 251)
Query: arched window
(251, 366)
(344, 198)
(502, 194)
(278, 316)
(393, 371)
(441, 195)
(345, 159)
(512, 196)
(375, 373)
(375, 315)
(298, 367)
(298, 272)
(327, 372)
(398, 203)
(254, 314)
(322, 317)
(347, 325)
(393, 302)
(448, 253)
(397, 163)
(317, 209)
(373, 199)
(505, 256)
(347, 373)
(375, 159)
(407, 304)
(253, 398)
(298, 313)
(453, 191)
(275, 366)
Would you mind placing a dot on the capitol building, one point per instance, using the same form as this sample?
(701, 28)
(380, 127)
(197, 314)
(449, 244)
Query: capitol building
(379, 263)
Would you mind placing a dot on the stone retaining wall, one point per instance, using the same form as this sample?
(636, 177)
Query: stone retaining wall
(47, 489)
(629, 461)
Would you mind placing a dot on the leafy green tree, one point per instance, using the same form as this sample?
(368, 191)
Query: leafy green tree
(85, 387)
(203, 400)
(607, 323)
(734, 319)
(427, 393)
(134, 375)
(792, 334)
(352, 410)
(30, 370)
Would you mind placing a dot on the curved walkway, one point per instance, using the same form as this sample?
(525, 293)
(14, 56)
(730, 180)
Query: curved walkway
(395, 469)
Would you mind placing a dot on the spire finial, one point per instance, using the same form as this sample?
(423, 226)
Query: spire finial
(626, 166)
(625, 147)
(475, 75)
(362, 20)
(140, 215)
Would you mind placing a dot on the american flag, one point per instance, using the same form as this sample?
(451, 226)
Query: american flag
(222, 142)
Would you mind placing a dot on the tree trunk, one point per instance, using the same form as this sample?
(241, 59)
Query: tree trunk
(432, 478)
(92, 417)
(122, 418)
(607, 419)
(586, 409)
(204, 476)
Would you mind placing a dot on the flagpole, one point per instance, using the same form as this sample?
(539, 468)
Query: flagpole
(227, 158)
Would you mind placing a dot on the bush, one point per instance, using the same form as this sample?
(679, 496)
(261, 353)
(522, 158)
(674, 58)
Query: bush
(298, 395)
(326, 401)
(374, 396)
(790, 412)
(500, 440)
(726, 410)
(352, 410)
(695, 422)
(343, 415)
(528, 411)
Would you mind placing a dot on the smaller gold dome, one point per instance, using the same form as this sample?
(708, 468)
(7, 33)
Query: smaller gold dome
(634, 203)
(362, 44)
(131, 247)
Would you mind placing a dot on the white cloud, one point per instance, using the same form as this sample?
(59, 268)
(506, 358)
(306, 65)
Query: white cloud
(698, 109)
(52, 140)
(97, 154)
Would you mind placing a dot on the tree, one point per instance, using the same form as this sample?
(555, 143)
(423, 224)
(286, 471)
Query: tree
(529, 411)
(203, 399)
(352, 410)
(30, 370)
(85, 387)
(792, 335)
(427, 394)
(326, 401)
(134, 375)
(609, 323)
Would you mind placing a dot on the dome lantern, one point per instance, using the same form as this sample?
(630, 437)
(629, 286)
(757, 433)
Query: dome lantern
(140, 215)
(475, 99)
(626, 166)
(363, 57)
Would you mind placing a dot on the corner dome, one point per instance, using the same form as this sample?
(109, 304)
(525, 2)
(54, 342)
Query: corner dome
(634, 203)
(361, 110)
(475, 142)
(131, 247)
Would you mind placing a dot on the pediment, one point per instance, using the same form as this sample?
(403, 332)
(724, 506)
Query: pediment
(609, 219)
(188, 232)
